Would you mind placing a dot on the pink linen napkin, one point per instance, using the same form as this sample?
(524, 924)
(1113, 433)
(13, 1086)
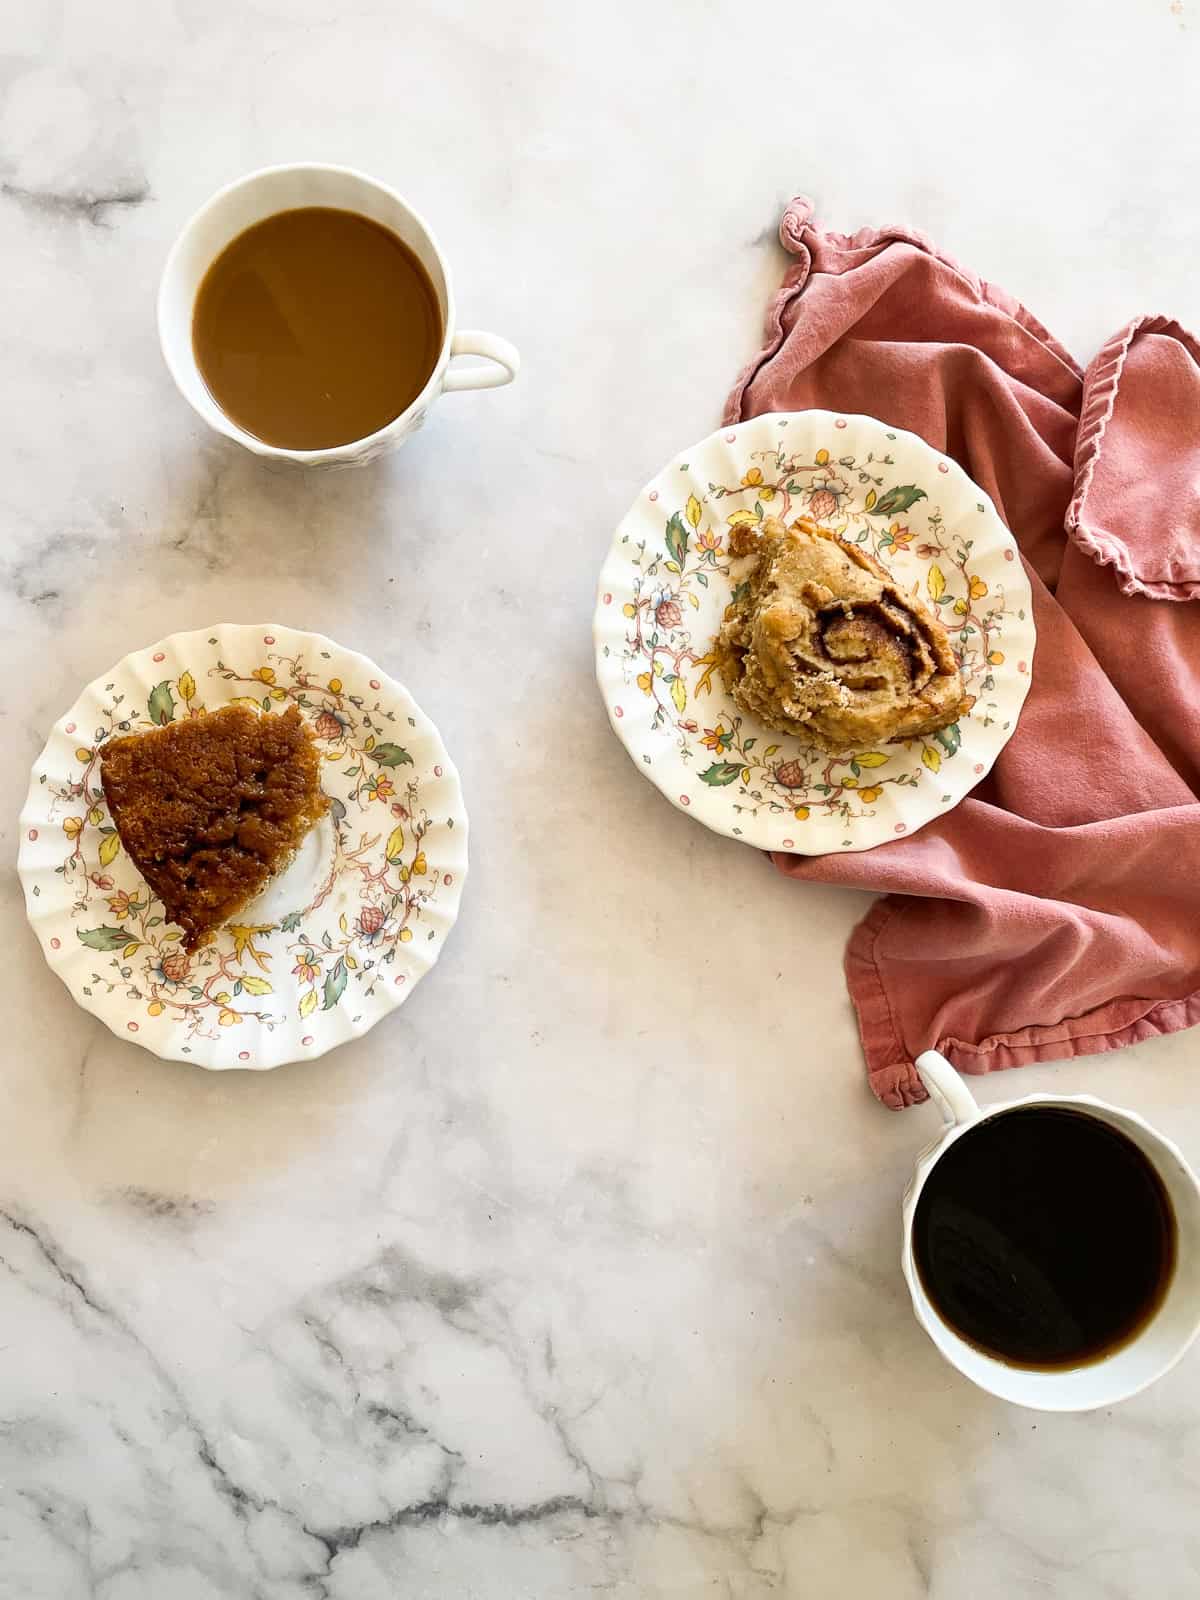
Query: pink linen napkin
(1056, 911)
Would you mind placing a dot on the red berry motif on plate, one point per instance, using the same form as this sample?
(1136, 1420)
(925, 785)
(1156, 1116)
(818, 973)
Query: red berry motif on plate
(176, 966)
(327, 726)
(791, 774)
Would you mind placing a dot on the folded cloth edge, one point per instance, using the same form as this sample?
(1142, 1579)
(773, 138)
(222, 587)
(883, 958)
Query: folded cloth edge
(1099, 400)
(796, 216)
(894, 1078)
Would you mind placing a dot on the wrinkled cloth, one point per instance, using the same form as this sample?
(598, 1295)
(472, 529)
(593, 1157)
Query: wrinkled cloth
(1056, 911)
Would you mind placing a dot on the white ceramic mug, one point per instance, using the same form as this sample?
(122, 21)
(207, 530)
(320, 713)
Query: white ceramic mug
(1154, 1349)
(262, 194)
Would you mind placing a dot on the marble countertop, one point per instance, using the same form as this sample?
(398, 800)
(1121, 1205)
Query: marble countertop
(580, 1274)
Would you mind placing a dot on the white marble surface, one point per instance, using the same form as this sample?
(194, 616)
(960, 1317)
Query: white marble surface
(578, 1276)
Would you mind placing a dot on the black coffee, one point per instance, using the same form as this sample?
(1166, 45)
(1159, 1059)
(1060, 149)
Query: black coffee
(1045, 1238)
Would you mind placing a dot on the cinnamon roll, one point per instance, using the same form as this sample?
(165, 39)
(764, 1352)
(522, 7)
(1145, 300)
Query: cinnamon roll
(821, 643)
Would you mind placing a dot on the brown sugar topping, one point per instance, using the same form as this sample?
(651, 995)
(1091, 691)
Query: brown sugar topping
(210, 808)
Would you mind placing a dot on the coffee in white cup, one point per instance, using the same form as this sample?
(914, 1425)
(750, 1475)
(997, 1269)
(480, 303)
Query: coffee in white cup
(307, 312)
(1052, 1246)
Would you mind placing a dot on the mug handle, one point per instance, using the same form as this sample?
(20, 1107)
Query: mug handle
(946, 1089)
(471, 343)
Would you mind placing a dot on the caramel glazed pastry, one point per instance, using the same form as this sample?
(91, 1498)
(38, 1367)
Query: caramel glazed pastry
(209, 809)
(823, 644)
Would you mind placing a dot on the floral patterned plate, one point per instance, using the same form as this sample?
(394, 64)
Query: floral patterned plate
(669, 577)
(330, 946)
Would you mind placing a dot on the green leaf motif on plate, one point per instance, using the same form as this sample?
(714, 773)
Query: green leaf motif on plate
(949, 738)
(721, 773)
(391, 755)
(105, 938)
(897, 499)
(335, 982)
(161, 704)
(677, 536)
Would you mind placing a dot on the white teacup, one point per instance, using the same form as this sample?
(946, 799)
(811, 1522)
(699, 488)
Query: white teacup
(1153, 1350)
(262, 194)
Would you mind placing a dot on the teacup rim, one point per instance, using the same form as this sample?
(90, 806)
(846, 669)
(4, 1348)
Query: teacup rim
(369, 442)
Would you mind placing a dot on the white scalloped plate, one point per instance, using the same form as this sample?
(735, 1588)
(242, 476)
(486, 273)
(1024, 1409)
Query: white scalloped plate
(329, 947)
(668, 579)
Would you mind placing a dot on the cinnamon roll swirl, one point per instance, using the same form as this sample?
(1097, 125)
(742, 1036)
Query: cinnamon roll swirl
(821, 643)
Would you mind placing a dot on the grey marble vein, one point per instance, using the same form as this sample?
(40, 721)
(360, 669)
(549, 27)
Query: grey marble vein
(81, 206)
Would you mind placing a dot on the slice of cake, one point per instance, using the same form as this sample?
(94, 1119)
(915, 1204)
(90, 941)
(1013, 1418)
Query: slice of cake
(210, 808)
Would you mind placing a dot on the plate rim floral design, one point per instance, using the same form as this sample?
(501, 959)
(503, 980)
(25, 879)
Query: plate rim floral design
(331, 682)
(667, 520)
